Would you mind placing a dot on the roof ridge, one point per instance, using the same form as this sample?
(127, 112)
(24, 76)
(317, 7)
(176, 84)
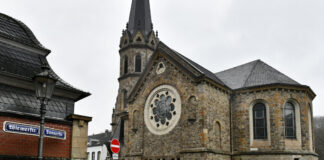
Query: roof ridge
(237, 66)
(201, 69)
(280, 72)
(246, 80)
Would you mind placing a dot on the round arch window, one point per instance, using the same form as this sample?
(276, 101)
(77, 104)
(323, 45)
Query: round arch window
(162, 109)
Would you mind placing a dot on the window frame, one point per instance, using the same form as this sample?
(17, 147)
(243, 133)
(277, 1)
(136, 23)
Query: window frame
(293, 120)
(264, 118)
(93, 156)
(98, 155)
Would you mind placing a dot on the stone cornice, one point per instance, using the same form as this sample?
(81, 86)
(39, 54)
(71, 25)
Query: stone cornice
(204, 150)
(293, 88)
(141, 46)
(275, 153)
(129, 75)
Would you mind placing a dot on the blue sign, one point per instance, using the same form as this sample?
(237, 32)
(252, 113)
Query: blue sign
(27, 129)
(54, 133)
(20, 128)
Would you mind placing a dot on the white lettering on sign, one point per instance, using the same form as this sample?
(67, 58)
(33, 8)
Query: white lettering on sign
(27, 129)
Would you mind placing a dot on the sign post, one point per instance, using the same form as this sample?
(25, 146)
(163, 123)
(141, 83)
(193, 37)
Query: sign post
(115, 147)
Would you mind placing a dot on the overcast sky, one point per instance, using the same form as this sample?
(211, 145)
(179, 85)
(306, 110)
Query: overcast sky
(218, 34)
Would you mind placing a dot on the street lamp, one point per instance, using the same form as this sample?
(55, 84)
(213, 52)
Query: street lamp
(44, 84)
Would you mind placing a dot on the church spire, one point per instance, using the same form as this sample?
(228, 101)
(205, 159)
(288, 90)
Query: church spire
(140, 18)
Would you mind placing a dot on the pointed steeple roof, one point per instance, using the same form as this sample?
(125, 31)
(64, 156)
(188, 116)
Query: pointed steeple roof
(255, 73)
(140, 18)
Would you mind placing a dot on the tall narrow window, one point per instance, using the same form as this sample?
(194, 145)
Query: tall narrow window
(290, 125)
(138, 63)
(98, 155)
(218, 135)
(136, 118)
(125, 98)
(93, 156)
(310, 127)
(259, 121)
(122, 131)
(125, 65)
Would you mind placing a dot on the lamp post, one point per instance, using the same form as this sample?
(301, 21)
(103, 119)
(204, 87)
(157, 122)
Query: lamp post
(44, 84)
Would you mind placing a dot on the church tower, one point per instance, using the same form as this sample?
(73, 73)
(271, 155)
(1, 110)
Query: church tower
(137, 44)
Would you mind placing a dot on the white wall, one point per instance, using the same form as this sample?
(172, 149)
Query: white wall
(96, 149)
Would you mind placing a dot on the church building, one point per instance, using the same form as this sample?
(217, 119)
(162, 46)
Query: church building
(171, 108)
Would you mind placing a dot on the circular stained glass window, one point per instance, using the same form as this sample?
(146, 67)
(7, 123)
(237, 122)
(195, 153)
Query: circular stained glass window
(162, 109)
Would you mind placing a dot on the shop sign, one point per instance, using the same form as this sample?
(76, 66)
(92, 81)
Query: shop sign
(27, 129)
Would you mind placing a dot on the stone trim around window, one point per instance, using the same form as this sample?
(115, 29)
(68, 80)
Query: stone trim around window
(255, 143)
(293, 144)
(162, 109)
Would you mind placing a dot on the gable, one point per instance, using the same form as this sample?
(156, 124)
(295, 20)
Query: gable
(196, 72)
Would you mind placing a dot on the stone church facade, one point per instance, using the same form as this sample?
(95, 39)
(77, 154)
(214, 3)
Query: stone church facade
(170, 108)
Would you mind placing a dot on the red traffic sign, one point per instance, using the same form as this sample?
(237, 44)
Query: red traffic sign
(115, 146)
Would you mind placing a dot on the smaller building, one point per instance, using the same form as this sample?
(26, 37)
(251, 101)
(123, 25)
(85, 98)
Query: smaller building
(21, 58)
(98, 146)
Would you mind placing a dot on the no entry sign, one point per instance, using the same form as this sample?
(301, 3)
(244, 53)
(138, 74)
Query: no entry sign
(115, 146)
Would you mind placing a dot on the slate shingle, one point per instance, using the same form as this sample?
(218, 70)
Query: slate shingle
(252, 74)
(16, 30)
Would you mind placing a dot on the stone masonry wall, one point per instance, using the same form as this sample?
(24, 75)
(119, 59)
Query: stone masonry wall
(275, 99)
(151, 145)
(217, 117)
(211, 106)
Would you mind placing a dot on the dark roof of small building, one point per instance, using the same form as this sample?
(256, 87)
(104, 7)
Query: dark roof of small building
(16, 30)
(25, 102)
(23, 63)
(252, 74)
(99, 139)
(140, 18)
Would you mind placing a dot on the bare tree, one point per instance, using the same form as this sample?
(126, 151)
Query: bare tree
(319, 136)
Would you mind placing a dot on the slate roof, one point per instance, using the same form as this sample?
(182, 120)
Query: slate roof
(16, 30)
(252, 74)
(25, 64)
(196, 66)
(99, 139)
(140, 18)
(19, 100)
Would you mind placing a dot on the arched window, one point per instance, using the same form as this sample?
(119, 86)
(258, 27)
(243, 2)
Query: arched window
(218, 135)
(290, 121)
(125, 65)
(98, 155)
(259, 121)
(138, 63)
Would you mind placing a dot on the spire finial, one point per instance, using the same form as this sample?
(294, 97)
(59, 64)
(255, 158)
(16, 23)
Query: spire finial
(140, 17)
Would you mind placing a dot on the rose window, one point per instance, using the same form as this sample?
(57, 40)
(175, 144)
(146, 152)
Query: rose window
(162, 109)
